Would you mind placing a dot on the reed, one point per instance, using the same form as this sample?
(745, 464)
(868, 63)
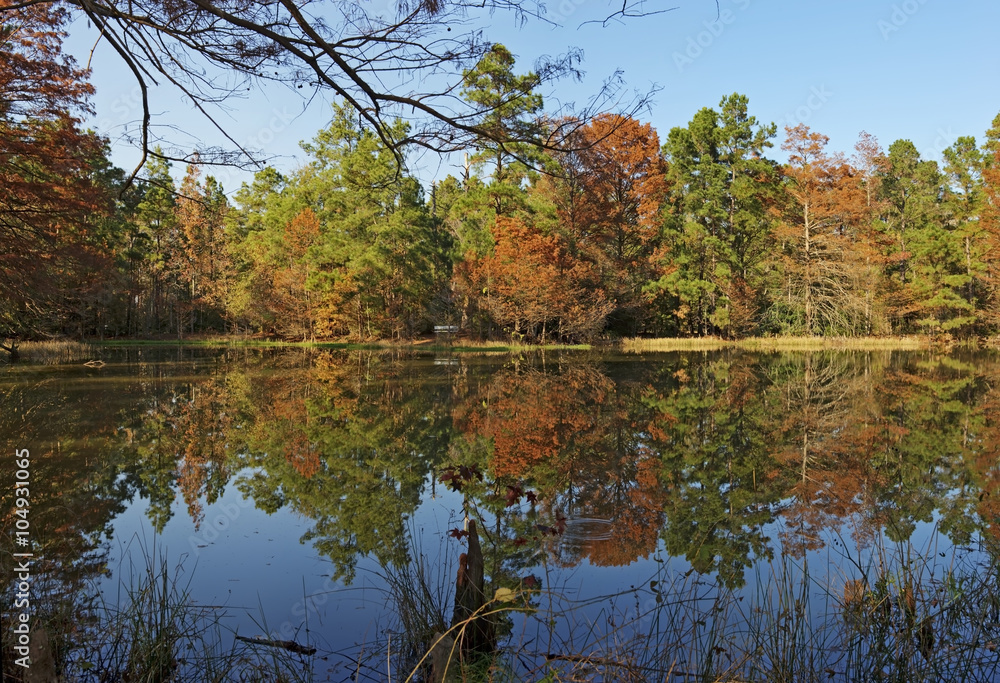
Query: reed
(150, 632)
(911, 343)
(775, 344)
(899, 613)
(896, 612)
(642, 345)
(56, 352)
(452, 345)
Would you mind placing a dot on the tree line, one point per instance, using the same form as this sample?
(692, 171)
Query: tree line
(614, 233)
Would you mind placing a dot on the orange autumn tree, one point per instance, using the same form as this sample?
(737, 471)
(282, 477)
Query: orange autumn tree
(621, 178)
(201, 440)
(573, 437)
(825, 201)
(534, 417)
(294, 302)
(204, 264)
(828, 429)
(49, 198)
(990, 219)
(872, 245)
(535, 286)
(285, 420)
(983, 457)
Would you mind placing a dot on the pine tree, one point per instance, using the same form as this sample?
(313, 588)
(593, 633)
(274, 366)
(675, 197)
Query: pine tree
(719, 223)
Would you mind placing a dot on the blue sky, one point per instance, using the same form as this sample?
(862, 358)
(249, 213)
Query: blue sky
(924, 70)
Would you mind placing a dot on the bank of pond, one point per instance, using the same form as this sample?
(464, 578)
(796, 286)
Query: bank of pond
(272, 513)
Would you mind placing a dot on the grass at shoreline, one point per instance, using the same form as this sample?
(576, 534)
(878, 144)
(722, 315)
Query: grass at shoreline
(883, 611)
(631, 345)
(56, 352)
(770, 344)
(458, 346)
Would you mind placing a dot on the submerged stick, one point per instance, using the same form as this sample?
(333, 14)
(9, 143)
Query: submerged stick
(290, 645)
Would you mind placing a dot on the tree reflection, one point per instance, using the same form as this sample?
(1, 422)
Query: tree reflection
(74, 494)
(721, 458)
(573, 434)
(712, 431)
(349, 443)
(823, 400)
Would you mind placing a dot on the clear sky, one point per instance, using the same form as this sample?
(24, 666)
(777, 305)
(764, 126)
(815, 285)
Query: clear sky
(924, 70)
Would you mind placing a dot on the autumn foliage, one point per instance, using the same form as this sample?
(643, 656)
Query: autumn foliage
(51, 202)
(536, 287)
(821, 248)
(607, 233)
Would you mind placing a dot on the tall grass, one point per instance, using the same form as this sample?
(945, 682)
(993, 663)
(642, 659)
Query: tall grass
(891, 612)
(642, 345)
(767, 344)
(147, 625)
(150, 631)
(895, 613)
(420, 595)
(910, 343)
(55, 352)
(471, 345)
(444, 344)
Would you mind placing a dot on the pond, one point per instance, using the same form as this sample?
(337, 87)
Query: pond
(306, 514)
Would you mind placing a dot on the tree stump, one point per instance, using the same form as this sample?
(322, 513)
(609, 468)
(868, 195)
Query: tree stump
(472, 629)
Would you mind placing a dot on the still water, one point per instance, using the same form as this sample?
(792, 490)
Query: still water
(697, 514)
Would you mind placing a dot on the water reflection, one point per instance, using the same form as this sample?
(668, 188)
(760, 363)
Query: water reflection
(722, 459)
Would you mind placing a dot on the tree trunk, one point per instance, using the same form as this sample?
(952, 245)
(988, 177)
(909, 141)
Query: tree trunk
(474, 631)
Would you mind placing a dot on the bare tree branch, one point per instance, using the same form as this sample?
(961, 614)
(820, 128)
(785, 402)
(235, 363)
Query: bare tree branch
(407, 62)
(631, 9)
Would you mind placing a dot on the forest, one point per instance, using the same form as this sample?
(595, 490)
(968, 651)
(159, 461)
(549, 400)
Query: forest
(613, 232)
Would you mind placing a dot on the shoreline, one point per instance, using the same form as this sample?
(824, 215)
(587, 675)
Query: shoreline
(40, 351)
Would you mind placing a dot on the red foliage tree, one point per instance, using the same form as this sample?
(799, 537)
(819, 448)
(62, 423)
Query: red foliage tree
(200, 213)
(620, 181)
(49, 198)
(293, 302)
(821, 262)
(990, 216)
(534, 285)
(623, 183)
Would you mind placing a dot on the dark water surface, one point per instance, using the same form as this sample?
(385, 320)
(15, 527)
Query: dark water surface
(282, 486)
